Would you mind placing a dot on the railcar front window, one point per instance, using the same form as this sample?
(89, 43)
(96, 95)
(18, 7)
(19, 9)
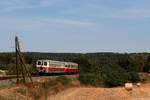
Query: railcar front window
(45, 63)
(39, 63)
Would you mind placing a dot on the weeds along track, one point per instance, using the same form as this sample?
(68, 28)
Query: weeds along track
(9, 77)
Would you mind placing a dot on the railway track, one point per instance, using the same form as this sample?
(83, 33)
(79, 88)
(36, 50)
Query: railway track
(6, 77)
(9, 77)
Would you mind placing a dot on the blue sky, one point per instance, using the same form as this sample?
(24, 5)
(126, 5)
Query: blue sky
(76, 25)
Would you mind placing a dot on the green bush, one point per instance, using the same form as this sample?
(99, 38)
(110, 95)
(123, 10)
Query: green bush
(31, 69)
(133, 77)
(113, 75)
(90, 79)
(109, 75)
(12, 69)
(84, 64)
(146, 68)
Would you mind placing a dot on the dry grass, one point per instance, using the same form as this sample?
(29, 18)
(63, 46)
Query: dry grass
(92, 93)
(10, 97)
(61, 89)
(36, 91)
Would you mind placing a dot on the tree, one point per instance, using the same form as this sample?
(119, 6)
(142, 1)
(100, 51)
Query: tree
(146, 68)
(84, 65)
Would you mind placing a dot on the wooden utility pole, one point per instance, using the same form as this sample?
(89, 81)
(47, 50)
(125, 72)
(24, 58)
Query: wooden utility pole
(21, 70)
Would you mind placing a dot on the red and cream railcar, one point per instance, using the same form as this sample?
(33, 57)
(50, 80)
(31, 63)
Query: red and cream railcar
(51, 66)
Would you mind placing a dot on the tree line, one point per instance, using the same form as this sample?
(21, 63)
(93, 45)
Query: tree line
(106, 68)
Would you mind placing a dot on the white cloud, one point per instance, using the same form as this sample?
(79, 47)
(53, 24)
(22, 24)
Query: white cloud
(43, 25)
(87, 10)
(130, 13)
(98, 11)
(12, 5)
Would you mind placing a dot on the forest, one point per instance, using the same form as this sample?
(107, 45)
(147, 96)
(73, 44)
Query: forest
(105, 68)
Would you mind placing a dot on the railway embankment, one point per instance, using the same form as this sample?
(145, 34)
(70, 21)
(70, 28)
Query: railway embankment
(40, 89)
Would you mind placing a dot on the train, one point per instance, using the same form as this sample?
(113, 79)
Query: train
(56, 67)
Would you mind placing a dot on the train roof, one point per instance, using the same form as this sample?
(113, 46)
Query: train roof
(60, 62)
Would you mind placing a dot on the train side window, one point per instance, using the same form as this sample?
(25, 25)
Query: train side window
(45, 63)
(72, 66)
(67, 66)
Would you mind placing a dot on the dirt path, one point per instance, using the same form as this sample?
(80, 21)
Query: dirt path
(83, 93)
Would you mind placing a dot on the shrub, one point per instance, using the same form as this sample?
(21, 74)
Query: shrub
(31, 69)
(146, 68)
(90, 79)
(43, 89)
(113, 75)
(49, 84)
(12, 69)
(63, 80)
(9, 97)
(84, 64)
(37, 93)
(133, 77)
(22, 90)
(108, 75)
